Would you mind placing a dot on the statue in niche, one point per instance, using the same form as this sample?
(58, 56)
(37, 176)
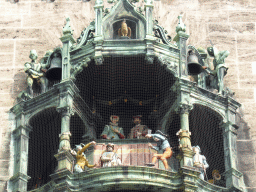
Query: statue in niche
(124, 32)
(220, 68)
(81, 160)
(138, 131)
(162, 144)
(110, 158)
(36, 72)
(200, 161)
(113, 131)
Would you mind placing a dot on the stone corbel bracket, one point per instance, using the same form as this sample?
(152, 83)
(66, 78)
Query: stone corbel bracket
(79, 67)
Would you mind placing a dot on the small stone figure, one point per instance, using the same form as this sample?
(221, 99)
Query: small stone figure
(35, 71)
(200, 161)
(112, 131)
(124, 31)
(81, 160)
(138, 131)
(220, 69)
(162, 144)
(110, 158)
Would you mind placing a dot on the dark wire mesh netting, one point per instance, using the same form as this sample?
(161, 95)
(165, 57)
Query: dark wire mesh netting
(123, 86)
(126, 86)
(43, 145)
(204, 124)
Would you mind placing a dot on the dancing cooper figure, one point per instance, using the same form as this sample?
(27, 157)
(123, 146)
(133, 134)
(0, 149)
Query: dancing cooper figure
(162, 144)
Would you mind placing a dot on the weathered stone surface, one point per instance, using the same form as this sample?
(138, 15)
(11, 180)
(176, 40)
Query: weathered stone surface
(242, 16)
(250, 178)
(6, 86)
(246, 41)
(6, 60)
(7, 8)
(10, 21)
(246, 55)
(243, 28)
(4, 164)
(16, 33)
(246, 163)
(219, 28)
(3, 185)
(248, 97)
(6, 46)
(245, 147)
(6, 100)
(6, 73)
(251, 189)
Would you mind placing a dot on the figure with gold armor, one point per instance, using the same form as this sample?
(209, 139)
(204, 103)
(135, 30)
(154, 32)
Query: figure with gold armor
(81, 160)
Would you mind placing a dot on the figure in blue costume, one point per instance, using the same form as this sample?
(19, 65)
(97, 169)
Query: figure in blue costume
(113, 131)
(162, 144)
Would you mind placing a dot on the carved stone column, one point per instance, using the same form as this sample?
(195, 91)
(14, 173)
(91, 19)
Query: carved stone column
(190, 175)
(181, 40)
(64, 157)
(184, 136)
(18, 182)
(98, 32)
(234, 178)
(67, 40)
(149, 31)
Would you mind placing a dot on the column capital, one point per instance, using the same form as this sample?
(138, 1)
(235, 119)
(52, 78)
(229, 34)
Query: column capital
(184, 108)
(229, 127)
(65, 111)
(22, 131)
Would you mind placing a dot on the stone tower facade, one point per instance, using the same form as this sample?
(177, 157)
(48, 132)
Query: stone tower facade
(230, 25)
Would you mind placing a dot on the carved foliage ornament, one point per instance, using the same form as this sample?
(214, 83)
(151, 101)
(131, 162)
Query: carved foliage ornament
(161, 33)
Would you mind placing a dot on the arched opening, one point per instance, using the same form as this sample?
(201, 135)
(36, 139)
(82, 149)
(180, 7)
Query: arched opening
(126, 86)
(204, 124)
(43, 145)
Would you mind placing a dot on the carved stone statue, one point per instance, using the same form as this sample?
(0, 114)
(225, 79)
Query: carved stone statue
(162, 144)
(113, 131)
(110, 158)
(81, 160)
(220, 69)
(138, 131)
(35, 71)
(124, 31)
(200, 161)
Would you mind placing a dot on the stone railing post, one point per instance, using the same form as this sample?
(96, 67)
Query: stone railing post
(67, 40)
(181, 40)
(98, 32)
(149, 31)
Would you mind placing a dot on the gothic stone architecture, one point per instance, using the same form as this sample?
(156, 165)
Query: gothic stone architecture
(124, 63)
